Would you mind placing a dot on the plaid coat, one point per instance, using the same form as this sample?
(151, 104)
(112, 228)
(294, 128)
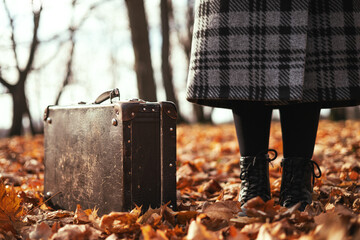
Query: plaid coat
(275, 51)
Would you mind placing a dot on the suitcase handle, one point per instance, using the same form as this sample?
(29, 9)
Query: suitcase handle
(108, 95)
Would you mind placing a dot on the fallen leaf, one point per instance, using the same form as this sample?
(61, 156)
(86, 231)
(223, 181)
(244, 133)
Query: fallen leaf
(329, 207)
(222, 210)
(55, 227)
(184, 217)
(145, 217)
(150, 234)
(265, 233)
(11, 179)
(330, 228)
(290, 211)
(343, 211)
(10, 204)
(197, 231)
(315, 208)
(211, 187)
(80, 216)
(33, 166)
(235, 234)
(40, 231)
(112, 237)
(58, 214)
(353, 175)
(255, 203)
(120, 222)
(240, 222)
(323, 217)
(154, 219)
(168, 215)
(251, 230)
(356, 205)
(80, 232)
(6, 235)
(256, 207)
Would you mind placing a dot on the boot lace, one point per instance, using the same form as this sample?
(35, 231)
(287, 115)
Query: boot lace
(245, 172)
(313, 164)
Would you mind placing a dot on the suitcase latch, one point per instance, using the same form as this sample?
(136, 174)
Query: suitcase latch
(46, 114)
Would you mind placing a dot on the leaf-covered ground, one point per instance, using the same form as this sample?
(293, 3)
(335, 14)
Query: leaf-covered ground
(208, 184)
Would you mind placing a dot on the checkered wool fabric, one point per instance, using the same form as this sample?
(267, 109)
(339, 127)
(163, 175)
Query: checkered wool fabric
(276, 51)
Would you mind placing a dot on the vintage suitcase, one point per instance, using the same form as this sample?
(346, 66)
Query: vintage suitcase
(110, 156)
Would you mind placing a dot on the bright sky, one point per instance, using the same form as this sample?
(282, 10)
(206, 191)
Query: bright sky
(104, 35)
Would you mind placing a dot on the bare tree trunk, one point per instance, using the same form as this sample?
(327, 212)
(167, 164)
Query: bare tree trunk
(17, 91)
(201, 117)
(186, 41)
(166, 69)
(31, 123)
(353, 113)
(165, 52)
(141, 46)
(337, 114)
(186, 44)
(19, 108)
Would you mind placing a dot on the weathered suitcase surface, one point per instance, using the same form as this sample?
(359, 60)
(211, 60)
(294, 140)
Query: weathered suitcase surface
(110, 156)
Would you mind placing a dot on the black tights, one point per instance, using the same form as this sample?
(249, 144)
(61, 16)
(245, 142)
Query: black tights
(299, 125)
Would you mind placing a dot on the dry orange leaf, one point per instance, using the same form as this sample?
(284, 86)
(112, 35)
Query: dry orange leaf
(120, 222)
(81, 232)
(80, 215)
(150, 234)
(147, 232)
(208, 157)
(353, 175)
(146, 218)
(10, 204)
(40, 231)
(184, 217)
(235, 234)
(265, 233)
(251, 230)
(197, 231)
(222, 210)
(255, 203)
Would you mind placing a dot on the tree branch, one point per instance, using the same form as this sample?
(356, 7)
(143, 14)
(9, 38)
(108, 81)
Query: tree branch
(35, 41)
(88, 12)
(55, 37)
(46, 62)
(69, 72)
(11, 20)
(73, 28)
(5, 83)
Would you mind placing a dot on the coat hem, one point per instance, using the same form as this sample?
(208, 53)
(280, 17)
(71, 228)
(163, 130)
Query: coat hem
(231, 103)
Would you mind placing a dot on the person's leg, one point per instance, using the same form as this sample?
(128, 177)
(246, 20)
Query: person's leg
(252, 124)
(299, 125)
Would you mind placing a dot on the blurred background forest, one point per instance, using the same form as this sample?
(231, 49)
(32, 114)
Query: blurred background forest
(63, 52)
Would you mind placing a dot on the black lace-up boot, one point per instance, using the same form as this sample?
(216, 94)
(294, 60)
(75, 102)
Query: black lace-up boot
(255, 177)
(297, 182)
